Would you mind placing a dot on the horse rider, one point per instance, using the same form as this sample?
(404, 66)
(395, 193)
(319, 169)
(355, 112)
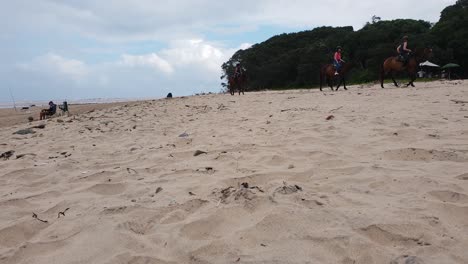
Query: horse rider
(403, 50)
(337, 60)
(238, 71)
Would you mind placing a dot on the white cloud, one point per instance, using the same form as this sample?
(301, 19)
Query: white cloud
(53, 64)
(197, 54)
(148, 60)
(126, 20)
(184, 67)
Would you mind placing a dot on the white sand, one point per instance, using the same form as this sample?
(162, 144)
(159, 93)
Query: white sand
(385, 181)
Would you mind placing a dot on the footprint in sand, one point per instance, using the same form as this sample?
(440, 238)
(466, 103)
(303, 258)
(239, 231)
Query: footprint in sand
(414, 154)
(23, 253)
(407, 260)
(224, 222)
(392, 235)
(137, 227)
(463, 177)
(163, 215)
(115, 210)
(450, 196)
(21, 203)
(108, 189)
(26, 175)
(129, 259)
(180, 212)
(274, 160)
(17, 234)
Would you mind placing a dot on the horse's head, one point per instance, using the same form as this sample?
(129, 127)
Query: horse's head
(423, 53)
(347, 66)
(427, 52)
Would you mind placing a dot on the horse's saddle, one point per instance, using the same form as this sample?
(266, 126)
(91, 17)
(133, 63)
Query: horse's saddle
(402, 59)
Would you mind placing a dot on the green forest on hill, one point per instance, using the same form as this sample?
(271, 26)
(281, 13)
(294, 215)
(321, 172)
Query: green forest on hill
(293, 60)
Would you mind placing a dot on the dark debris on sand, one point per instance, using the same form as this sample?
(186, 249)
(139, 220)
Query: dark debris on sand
(41, 126)
(199, 152)
(24, 131)
(288, 189)
(6, 155)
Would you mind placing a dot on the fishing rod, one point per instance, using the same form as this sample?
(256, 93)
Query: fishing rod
(12, 98)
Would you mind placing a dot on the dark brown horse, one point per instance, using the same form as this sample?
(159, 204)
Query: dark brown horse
(327, 72)
(392, 65)
(237, 83)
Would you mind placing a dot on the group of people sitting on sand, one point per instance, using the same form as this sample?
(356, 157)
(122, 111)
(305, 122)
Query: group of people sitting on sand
(45, 113)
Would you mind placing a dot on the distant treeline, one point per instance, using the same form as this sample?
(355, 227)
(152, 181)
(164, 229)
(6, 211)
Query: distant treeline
(293, 60)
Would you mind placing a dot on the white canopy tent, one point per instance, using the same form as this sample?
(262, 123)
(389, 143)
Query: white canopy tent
(429, 64)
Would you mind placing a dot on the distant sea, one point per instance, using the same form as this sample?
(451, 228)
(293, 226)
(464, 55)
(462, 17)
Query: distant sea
(26, 103)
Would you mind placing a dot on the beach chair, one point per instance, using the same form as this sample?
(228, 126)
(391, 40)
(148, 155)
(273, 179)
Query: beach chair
(63, 109)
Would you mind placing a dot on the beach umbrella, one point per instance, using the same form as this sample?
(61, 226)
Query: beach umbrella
(450, 65)
(428, 64)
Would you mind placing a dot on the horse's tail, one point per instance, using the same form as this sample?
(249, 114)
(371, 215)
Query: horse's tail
(230, 84)
(321, 77)
(382, 74)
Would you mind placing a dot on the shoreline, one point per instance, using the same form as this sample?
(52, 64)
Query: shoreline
(11, 117)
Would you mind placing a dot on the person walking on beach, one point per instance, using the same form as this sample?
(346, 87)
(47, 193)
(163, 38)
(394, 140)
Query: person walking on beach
(403, 50)
(337, 60)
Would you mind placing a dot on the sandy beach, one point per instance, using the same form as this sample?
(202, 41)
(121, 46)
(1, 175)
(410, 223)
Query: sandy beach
(11, 117)
(367, 175)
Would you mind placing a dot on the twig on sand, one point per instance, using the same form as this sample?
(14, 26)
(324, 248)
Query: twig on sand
(258, 188)
(336, 109)
(199, 152)
(62, 213)
(459, 101)
(129, 170)
(41, 126)
(36, 217)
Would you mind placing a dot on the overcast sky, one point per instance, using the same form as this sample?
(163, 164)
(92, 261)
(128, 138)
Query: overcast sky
(79, 49)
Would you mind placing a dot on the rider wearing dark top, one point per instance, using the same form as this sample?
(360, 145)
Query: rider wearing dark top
(237, 71)
(403, 50)
(48, 112)
(52, 108)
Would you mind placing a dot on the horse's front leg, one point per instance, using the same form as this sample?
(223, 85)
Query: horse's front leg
(413, 78)
(330, 83)
(344, 84)
(339, 84)
(393, 79)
